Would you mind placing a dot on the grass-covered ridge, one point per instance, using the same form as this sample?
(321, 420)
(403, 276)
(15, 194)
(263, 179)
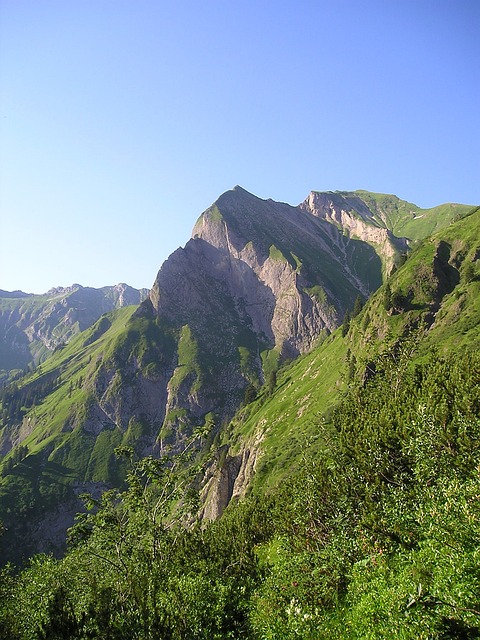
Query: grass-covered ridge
(50, 406)
(408, 220)
(33, 326)
(435, 294)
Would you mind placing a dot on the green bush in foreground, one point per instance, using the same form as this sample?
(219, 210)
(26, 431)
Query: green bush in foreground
(376, 537)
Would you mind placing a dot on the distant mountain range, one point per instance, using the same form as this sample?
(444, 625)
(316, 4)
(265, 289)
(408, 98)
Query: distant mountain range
(259, 284)
(32, 326)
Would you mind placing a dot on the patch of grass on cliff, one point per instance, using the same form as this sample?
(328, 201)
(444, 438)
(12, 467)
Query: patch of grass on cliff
(148, 339)
(271, 359)
(188, 365)
(248, 365)
(284, 420)
(318, 293)
(213, 214)
(103, 465)
(274, 253)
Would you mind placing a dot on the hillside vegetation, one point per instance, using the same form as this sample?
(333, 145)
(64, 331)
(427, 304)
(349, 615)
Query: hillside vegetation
(33, 326)
(350, 492)
(53, 460)
(436, 295)
(375, 535)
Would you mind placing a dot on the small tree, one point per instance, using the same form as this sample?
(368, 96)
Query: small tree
(346, 323)
(272, 381)
(358, 306)
(250, 394)
(387, 297)
(469, 273)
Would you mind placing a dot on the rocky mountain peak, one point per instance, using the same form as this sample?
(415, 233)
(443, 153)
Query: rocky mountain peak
(332, 205)
(256, 277)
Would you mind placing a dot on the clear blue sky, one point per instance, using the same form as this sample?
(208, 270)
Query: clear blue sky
(121, 121)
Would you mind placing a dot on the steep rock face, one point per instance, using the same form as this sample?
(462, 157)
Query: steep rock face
(32, 326)
(267, 257)
(258, 282)
(257, 276)
(228, 477)
(353, 215)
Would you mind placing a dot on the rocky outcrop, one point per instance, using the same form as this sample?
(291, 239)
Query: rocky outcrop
(266, 258)
(228, 478)
(353, 217)
(256, 276)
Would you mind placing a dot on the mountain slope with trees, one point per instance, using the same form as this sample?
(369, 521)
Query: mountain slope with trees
(361, 519)
(259, 282)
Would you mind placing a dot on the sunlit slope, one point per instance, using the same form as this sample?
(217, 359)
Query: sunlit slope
(437, 288)
(431, 303)
(56, 458)
(408, 220)
(33, 326)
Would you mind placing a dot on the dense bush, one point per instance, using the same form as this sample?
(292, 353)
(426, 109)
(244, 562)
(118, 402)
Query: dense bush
(376, 537)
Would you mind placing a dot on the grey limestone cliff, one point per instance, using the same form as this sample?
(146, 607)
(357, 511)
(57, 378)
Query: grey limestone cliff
(258, 282)
(352, 215)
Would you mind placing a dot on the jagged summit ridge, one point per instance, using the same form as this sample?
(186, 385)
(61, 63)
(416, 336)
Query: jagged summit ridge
(257, 277)
(265, 257)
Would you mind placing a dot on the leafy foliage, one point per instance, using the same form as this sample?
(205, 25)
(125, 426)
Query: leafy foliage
(381, 537)
(376, 536)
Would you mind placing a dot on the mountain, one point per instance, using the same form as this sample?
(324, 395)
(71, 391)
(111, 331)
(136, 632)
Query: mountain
(402, 218)
(32, 326)
(431, 305)
(258, 284)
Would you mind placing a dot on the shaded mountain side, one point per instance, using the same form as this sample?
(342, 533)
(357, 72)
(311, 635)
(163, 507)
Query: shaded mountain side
(258, 283)
(32, 326)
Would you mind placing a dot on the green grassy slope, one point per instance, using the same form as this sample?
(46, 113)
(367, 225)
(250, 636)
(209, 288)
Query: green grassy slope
(437, 297)
(32, 326)
(408, 220)
(54, 456)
